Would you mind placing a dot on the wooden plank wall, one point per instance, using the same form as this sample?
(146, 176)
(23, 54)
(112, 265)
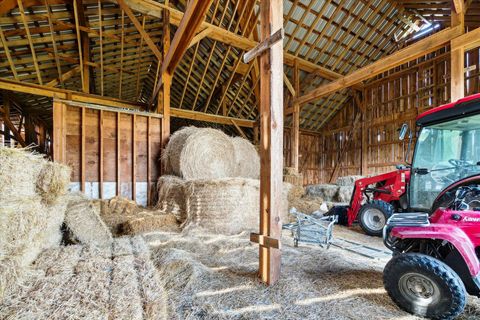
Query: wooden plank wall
(392, 99)
(111, 152)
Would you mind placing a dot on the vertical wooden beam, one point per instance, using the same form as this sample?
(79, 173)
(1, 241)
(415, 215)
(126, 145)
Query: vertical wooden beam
(121, 57)
(119, 190)
(164, 93)
(100, 27)
(82, 152)
(58, 131)
(134, 157)
(271, 140)
(457, 81)
(100, 151)
(149, 162)
(457, 57)
(295, 132)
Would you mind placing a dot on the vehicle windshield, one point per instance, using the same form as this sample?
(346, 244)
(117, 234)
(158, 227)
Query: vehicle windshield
(446, 152)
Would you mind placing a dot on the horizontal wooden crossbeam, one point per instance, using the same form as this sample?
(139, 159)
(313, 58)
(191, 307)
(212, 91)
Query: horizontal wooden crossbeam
(200, 116)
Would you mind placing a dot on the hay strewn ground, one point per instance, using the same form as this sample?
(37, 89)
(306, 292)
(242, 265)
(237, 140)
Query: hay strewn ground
(214, 277)
(81, 282)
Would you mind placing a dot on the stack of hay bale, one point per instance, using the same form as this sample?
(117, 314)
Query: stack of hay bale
(340, 192)
(213, 182)
(32, 210)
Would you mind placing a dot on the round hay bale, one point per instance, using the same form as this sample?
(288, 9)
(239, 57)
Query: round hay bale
(226, 206)
(53, 181)
(171, 196)
(174, 148)
(195, 153)
(247, 161)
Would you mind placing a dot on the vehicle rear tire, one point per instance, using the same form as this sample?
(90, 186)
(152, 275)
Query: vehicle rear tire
(424, 286)
(373, 216)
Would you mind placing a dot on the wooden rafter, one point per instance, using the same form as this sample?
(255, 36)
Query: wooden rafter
(398, 58)
(189, 24)
(220, 34)
(140, 29)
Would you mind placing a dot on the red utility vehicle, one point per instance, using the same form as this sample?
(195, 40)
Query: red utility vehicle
(384, 195)
(436, 243)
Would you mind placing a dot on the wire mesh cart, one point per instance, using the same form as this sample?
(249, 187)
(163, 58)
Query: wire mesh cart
(314, 229)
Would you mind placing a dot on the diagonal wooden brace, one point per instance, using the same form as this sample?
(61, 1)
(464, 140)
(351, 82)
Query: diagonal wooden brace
(264, 45)
(265, 241)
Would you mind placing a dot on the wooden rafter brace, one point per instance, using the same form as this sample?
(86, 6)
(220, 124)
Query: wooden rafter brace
(271, 144)
(187, 29)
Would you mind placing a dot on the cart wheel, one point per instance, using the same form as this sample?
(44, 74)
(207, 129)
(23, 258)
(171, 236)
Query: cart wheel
(424, 286)
(373, 216)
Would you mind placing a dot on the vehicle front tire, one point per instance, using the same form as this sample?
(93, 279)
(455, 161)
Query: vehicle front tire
(424, 286)
(373, 216)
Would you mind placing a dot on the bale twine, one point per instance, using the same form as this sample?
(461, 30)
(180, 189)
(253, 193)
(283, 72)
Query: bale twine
(247, 161)
(171, 196)
(19, 171)
(53, 181)
(84, 222)
(195, 153)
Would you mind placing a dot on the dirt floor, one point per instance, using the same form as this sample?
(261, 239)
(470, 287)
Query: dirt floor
(215, 277)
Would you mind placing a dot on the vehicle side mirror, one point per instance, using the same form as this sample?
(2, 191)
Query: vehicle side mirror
(403, 131)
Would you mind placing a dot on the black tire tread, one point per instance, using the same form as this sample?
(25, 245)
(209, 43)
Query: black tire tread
(383, 206)
(430, 265)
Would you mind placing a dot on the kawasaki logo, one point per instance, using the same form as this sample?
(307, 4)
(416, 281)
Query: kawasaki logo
(470, 219)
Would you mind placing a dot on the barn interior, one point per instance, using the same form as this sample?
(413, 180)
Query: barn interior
(152, 151)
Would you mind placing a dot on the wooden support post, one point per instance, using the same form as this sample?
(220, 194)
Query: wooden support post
(457, 57)
(164, 93)
(149, 162)
(59, 133)
(119, 187)
(295, 131)
(83, 169)
(100, 151)
(457, 81)
(271, 141)
(134, 157)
